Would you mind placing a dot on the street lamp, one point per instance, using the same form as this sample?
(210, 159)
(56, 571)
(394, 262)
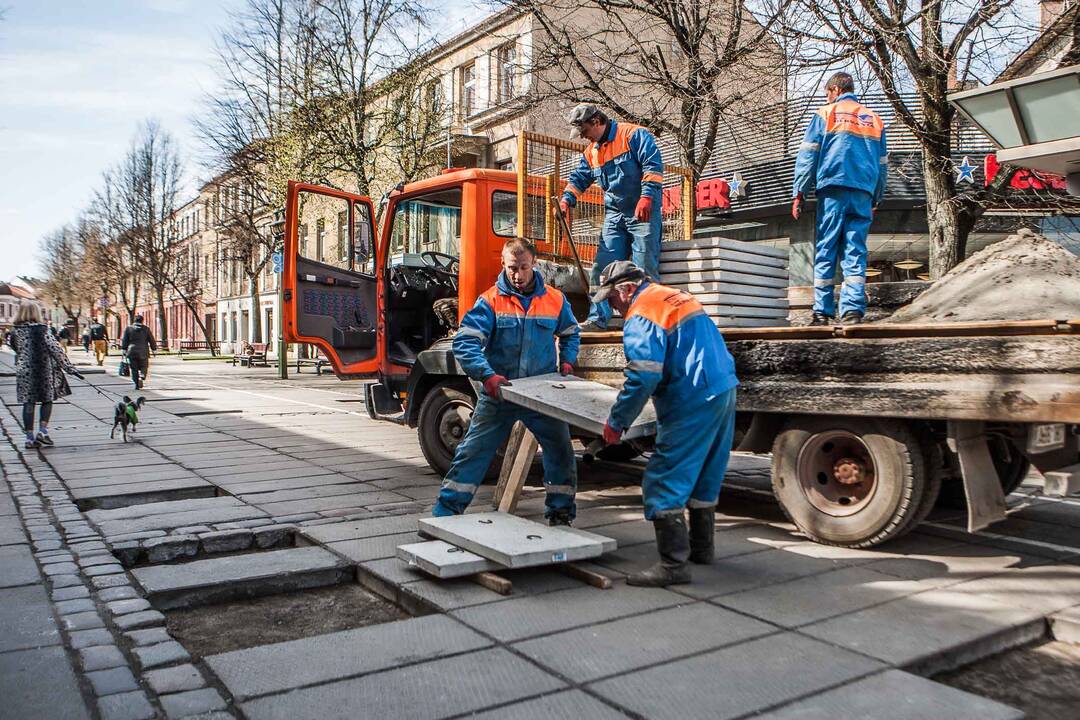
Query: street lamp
(1034, 120)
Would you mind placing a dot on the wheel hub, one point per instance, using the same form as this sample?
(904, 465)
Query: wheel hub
(453, 424)
(836, 472)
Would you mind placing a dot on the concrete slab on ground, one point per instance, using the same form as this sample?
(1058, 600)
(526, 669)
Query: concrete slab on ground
(444, 560)
(26, 619)
(582, 403)
(17, 566)
(39, 684)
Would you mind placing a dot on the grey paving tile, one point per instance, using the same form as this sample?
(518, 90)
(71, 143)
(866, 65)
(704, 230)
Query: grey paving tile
(566, 704)
(746, 678)
(466, 683)
(1045, 588)
(112, 681)
(918, 628)
(174, 679)
(88, 638)
(17, 566)
(957, 563)
(175, 520)
(191, 702)
(126, 706)
(101, 657)
(356, 500)
(735, 574)
(359, 529)
(596, 651)
(894, 695)
(26, 619)
(373, 548)
(39, 684)
(325, 658)
(11, 533)
(448, 595)
(520, 618)
(166, 653)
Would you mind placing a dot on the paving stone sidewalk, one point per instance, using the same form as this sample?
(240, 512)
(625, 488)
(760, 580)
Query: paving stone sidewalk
(777, 625)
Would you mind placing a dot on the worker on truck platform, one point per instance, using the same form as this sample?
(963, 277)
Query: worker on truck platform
(674, 354)
(511, 332)
(843, 156)
(626, 162)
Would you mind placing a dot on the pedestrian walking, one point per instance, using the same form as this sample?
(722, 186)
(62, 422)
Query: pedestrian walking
(86, 341)
(99, 336)
(511, 332)
(843, 156)
(626, 162)
(675, 355)
(64, 336)
(137, 343)
(40, 364)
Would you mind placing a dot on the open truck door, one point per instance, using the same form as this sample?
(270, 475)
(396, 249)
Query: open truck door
(330, 285)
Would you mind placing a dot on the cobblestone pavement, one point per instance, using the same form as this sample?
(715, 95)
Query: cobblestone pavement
(237, 484)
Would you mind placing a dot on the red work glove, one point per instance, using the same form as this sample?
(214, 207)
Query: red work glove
(611, 435)
(492, 385)
(566, 369)
(564, 206)
(643, 211)
(796, 206)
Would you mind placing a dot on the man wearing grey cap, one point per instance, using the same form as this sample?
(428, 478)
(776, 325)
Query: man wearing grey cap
(625, 161)
(675, 355)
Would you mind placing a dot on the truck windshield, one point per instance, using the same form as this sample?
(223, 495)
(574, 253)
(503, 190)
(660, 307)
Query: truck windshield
(428, 222)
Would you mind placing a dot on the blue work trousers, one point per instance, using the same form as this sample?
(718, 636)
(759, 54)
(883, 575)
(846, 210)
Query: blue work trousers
(624, 237)
(843, 222)
(691, 456)
(488, 430)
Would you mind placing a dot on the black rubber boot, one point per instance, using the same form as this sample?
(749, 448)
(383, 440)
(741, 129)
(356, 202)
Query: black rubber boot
(673, 542)
(821, 319)
(702, 533)
(852, 317)
(559, 517)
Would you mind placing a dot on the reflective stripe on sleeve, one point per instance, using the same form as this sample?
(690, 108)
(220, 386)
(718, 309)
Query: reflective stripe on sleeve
(472, 332)
(465, 488)
(570, 330)
(696, 504)
(669, 513)
(560, 489)
(824, 282)
(854, 280)
(809, 147)
(572, 190)
(645, 366)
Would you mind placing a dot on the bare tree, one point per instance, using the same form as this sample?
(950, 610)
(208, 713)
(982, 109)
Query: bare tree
(186, 281)
(110, 242)
(62, 260)
(916, 52)
(679, 68)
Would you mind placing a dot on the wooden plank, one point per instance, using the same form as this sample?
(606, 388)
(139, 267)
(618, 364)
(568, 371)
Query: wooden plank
(703, 240)
(714, 254)
(493, 582)
(691, 266)
(515, 468)
(589, 577)
(960, 329)
(722, 276)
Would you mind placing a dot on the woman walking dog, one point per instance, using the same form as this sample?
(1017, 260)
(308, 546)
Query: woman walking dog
(40, 364)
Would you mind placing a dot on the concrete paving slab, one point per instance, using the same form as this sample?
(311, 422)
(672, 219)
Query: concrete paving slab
(444, 560)
(513, 541)
(180, 519)
(465, 683)
(582, 403)
(303, 493)
(894, 695)
(336, 656)
(817, 597)
(7, 505)
(26, 619)
(167, 507)
(1044, 588)
(17, 566)
(355, 499)
(357, 529)
(743, 572)
(117, 496)
(11, 532)
(616, 647)
(957, 563)
(932, 631)
(521, 618)
(235, 576)
(373, 548)
(568, 704)
(793, 665)
(39, 684)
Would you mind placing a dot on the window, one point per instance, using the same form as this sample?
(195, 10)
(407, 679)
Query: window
(504, 213)
(320, 232)
(508, 70)
(467, 100)
(343, 236)
(433, 96)
(428, 222)
(302, 232)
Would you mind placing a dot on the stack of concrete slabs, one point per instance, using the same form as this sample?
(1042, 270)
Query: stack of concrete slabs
(498, 541)
(582, 403)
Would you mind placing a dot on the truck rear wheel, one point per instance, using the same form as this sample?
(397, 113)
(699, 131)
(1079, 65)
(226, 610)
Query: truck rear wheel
(443, 422)
(849, 482)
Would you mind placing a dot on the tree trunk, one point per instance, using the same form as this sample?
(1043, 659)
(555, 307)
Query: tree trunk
(948, 241)
(256, 310)
(163, 325)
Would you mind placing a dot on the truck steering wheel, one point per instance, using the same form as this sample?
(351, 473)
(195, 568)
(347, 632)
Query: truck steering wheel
(442, 264)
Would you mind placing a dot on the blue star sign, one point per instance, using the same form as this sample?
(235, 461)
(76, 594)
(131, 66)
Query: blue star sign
(966, 170)
(737, 186)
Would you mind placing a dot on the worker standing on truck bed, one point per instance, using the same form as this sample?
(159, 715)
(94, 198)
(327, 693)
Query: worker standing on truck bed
(674, 354)
(625, 161)
(511, 332)
(843, 156)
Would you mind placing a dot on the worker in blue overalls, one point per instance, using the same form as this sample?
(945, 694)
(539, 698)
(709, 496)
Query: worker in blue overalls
(843, 156)
(675, 355)
(511, 332)
(625, 161)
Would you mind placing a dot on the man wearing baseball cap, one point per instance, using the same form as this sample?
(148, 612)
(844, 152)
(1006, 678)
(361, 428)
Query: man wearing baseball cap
(626, 162)
(676, 356)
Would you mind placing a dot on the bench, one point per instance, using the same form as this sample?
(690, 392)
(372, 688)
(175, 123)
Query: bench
(187, 346)
(256, 356)
(316, 362)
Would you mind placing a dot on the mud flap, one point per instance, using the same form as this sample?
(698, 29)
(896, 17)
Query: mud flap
(985, 498)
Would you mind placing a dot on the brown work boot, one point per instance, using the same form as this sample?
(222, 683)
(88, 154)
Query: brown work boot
(673, 542)
(702, 534)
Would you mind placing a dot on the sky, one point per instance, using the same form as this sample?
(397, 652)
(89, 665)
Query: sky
(76, 80)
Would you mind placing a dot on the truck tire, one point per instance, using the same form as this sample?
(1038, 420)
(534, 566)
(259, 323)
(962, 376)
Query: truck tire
(1012, 467)
(443, 422)
(852, 482)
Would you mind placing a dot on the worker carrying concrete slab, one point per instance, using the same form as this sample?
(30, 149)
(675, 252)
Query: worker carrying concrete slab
(626, 162)
(674, 354)
(511, 332)
(843, 156)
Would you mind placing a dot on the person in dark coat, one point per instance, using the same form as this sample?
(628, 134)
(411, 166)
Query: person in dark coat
(138, 342)
(40, 364)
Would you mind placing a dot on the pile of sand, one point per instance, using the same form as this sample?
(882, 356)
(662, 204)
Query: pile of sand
(1023, 277)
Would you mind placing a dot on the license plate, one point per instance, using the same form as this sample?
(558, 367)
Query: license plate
(1046, 436)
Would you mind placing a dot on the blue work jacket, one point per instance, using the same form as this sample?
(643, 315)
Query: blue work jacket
(513, 335)
(844, 146)
(674, 354)
(626, 163)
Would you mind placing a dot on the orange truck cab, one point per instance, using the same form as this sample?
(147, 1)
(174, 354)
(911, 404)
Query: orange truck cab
(381, 303)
